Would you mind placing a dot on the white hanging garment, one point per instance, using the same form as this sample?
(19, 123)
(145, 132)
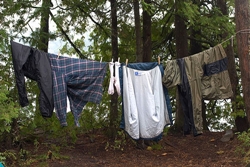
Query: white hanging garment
(145, 110)
(112, 78)
(117, 80)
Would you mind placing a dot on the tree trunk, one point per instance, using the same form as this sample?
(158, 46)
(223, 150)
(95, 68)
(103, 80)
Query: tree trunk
(44, 26)
(138, 31)
(147, 44)
(44, 39)
(195, 47)
(231, 67)
(181, 51)
(114, 97)
(242, 23)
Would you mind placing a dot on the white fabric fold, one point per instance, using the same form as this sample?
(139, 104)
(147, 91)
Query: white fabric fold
(145, 109)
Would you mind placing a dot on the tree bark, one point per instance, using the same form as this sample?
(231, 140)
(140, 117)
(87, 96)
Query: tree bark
(114, 42)
(242, 23)
(231, 67)
(147, 44)
(138, 31)
(181, 51)
(44, 25)
(195, 47)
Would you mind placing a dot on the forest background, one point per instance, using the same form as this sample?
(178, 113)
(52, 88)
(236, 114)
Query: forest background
(138, 30)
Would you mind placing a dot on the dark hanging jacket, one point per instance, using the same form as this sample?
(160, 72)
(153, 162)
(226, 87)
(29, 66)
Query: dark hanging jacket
(34, 64)
(200, 76)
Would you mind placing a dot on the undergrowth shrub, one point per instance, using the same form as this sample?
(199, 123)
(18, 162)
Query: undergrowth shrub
(244, 148)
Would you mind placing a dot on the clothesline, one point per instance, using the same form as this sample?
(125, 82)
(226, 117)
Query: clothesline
(146, 103)
(159, 60)
(246, 31)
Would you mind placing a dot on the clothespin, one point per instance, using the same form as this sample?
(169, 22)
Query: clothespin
(118, 59)
(159, 60)
(58, 55)
(232, 40)
(101, 60)
(126, 62)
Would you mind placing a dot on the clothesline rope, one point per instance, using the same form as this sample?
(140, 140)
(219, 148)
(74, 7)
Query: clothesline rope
(244, 31)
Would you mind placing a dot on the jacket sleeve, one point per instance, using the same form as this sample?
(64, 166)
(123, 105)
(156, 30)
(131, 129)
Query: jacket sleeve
(171, 75)
(45, 83)
(20, 54)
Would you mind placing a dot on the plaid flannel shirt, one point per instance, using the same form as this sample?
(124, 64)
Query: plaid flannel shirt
(81, 80)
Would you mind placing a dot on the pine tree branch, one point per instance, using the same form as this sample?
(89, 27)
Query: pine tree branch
(93, 20)
(67, 37)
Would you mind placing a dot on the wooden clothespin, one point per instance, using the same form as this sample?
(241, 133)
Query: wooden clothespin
(126, 62)
(58, 55)
(118, 59)
(101, 60)
(159, 60)
(232, 40)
